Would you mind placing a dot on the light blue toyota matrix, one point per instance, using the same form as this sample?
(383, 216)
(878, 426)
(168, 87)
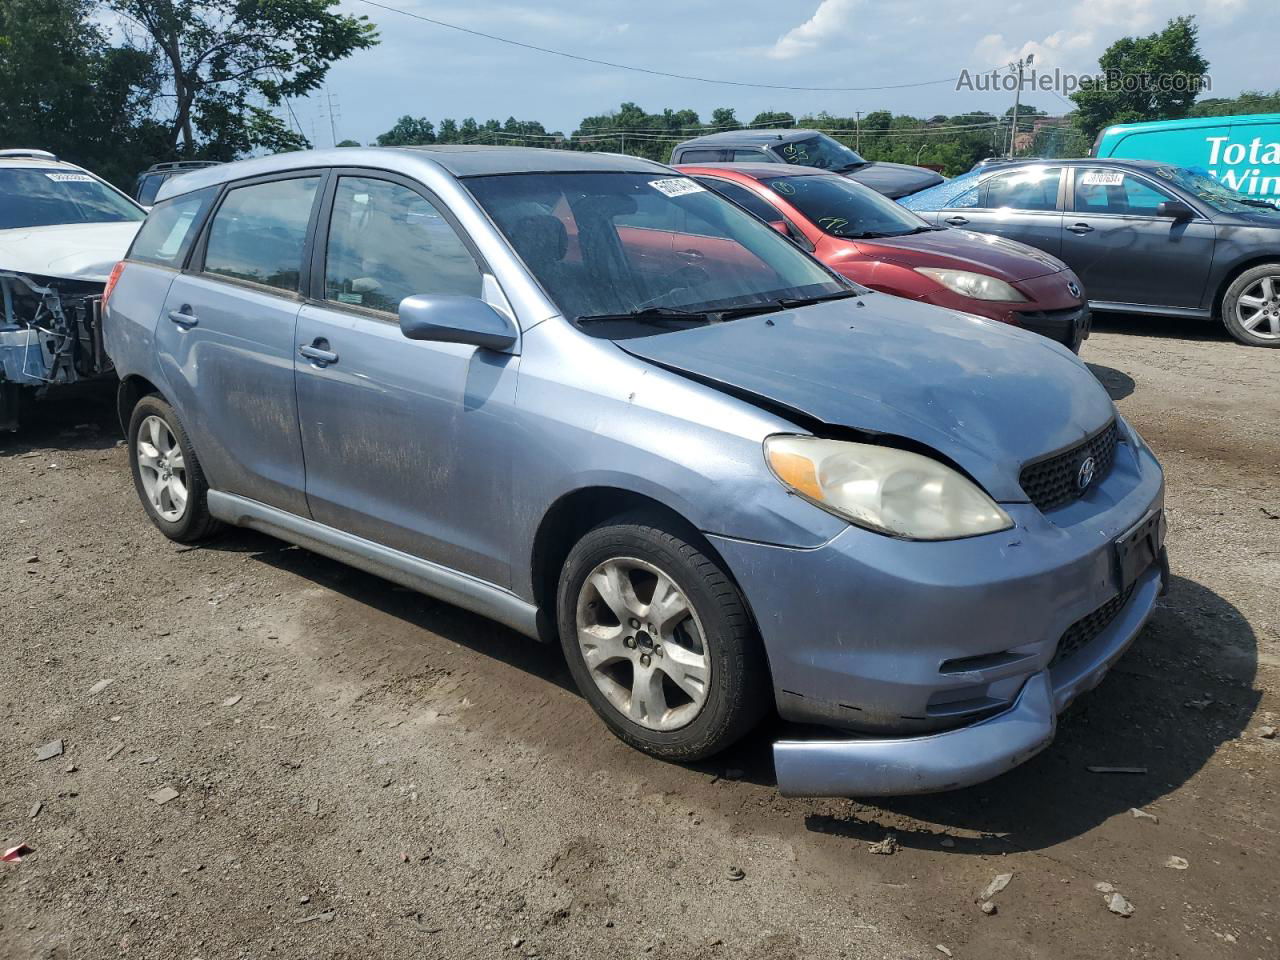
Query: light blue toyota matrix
(586, 397)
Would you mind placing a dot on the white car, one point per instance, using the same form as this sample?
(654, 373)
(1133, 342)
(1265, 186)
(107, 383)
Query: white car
(62, 231)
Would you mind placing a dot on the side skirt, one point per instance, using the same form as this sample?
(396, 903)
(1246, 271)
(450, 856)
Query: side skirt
(443, 583)
(1107, 306)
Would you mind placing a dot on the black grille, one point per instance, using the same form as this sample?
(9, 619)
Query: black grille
(1088, 627)
(1059, 325)
(1052, 482)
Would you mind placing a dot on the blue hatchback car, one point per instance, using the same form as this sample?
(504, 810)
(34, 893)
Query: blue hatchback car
(596, 402)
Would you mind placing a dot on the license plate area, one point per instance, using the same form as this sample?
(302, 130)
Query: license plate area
(1138, 548)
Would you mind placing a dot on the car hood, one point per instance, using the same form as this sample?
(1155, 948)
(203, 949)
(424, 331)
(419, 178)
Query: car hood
(987, 396)
(895, 179)
(68, 251)
(965, 250)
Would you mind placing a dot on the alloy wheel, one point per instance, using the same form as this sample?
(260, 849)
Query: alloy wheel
(1258, 308)
(162, 468)
(643, 644)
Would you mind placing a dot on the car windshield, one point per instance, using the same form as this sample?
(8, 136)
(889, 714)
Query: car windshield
(1215, 193)
(818, 151)
(43, 197)
(845, 209)
(646, 246)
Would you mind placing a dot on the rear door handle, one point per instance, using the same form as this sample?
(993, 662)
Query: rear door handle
(1080, 228)
(956, 221)
(183, 316)
(318, 352)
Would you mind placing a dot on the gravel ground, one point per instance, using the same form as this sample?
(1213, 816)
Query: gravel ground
(361, 772)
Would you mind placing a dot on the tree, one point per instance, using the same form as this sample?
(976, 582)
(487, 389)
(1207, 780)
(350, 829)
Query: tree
(348, 143)
(64, 88)
(725, 118)
(770, 118)
(408, 131)
(1156, 77)
(223, 59)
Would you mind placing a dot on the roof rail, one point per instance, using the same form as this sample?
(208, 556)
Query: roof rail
(28, 152)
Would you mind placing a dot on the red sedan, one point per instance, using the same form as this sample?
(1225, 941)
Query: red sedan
(881, 245)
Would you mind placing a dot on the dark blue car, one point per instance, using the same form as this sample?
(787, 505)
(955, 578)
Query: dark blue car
(1144, 237)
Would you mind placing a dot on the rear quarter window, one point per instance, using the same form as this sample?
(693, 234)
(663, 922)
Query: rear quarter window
(171, 228)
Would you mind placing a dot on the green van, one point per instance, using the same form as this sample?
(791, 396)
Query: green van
(1243, 152)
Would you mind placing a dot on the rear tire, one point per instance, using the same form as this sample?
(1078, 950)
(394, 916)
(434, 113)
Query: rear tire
(1251, 306)
(167, 472)
(678, 671)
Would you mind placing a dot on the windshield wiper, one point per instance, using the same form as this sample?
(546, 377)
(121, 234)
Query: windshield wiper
(648, 314)
(785, 303)
(850, 166)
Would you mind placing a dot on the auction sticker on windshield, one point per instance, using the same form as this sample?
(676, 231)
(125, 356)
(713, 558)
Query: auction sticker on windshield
(1103, 178)
(677, 186)
(69, 177)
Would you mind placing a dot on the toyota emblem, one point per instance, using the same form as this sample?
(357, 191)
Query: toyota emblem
(1084, 476)
(1073, 288)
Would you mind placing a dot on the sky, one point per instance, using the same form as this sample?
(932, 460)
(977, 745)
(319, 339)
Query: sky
(430, 71)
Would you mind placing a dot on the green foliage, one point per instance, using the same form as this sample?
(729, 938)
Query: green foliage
(348, 143)
(408, 131)
(1251, 101)
(1152, 61)
(223, 59)
(64, 88)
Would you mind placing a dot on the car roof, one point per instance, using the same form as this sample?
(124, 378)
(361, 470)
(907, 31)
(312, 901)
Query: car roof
(460, 161)
(38, 162)
(1192, 123)
(755, 138)
(757, 171)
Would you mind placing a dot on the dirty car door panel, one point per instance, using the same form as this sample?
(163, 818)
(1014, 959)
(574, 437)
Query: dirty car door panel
(403, 440)
(225, 336)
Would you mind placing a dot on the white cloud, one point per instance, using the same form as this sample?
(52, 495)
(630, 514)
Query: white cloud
(1059, 49)
(832, 18)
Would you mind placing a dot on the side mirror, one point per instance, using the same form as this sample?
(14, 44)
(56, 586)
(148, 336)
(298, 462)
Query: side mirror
(781, 227)
(1174, 209)
(449, 319)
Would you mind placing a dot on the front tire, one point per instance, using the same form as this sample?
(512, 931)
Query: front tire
(659, 640)
(1251, 306)
(167, 473)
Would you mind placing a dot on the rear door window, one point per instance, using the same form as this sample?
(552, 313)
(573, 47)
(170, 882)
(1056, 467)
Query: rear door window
(387, 242)
(259, 231)
(1115, 192)
(703, 156)
(170, 228)
(1031, 188)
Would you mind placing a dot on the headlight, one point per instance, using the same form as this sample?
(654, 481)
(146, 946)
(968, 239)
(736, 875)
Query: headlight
(882, 489)
(978, 286)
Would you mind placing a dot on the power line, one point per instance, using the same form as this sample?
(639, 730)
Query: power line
(656, 73)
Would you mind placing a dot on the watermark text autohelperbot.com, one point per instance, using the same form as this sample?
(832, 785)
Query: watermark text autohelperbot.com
(1064, 83)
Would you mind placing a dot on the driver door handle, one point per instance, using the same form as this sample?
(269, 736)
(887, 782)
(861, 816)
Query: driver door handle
(183, 317)
(1080, 229)
(318, 352)
(956, 221)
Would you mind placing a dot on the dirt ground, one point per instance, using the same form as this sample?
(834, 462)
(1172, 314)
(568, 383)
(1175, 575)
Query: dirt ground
(363, 772)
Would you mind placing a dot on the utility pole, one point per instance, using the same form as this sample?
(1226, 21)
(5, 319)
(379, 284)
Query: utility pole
(334, 109)
(857, 131)
(1017, 96)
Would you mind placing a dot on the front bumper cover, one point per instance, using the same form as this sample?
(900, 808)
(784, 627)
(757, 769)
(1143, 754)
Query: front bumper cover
(969, 755)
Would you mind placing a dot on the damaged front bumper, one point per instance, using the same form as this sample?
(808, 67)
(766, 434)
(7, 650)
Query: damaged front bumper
(963, 757)
(50, 334)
